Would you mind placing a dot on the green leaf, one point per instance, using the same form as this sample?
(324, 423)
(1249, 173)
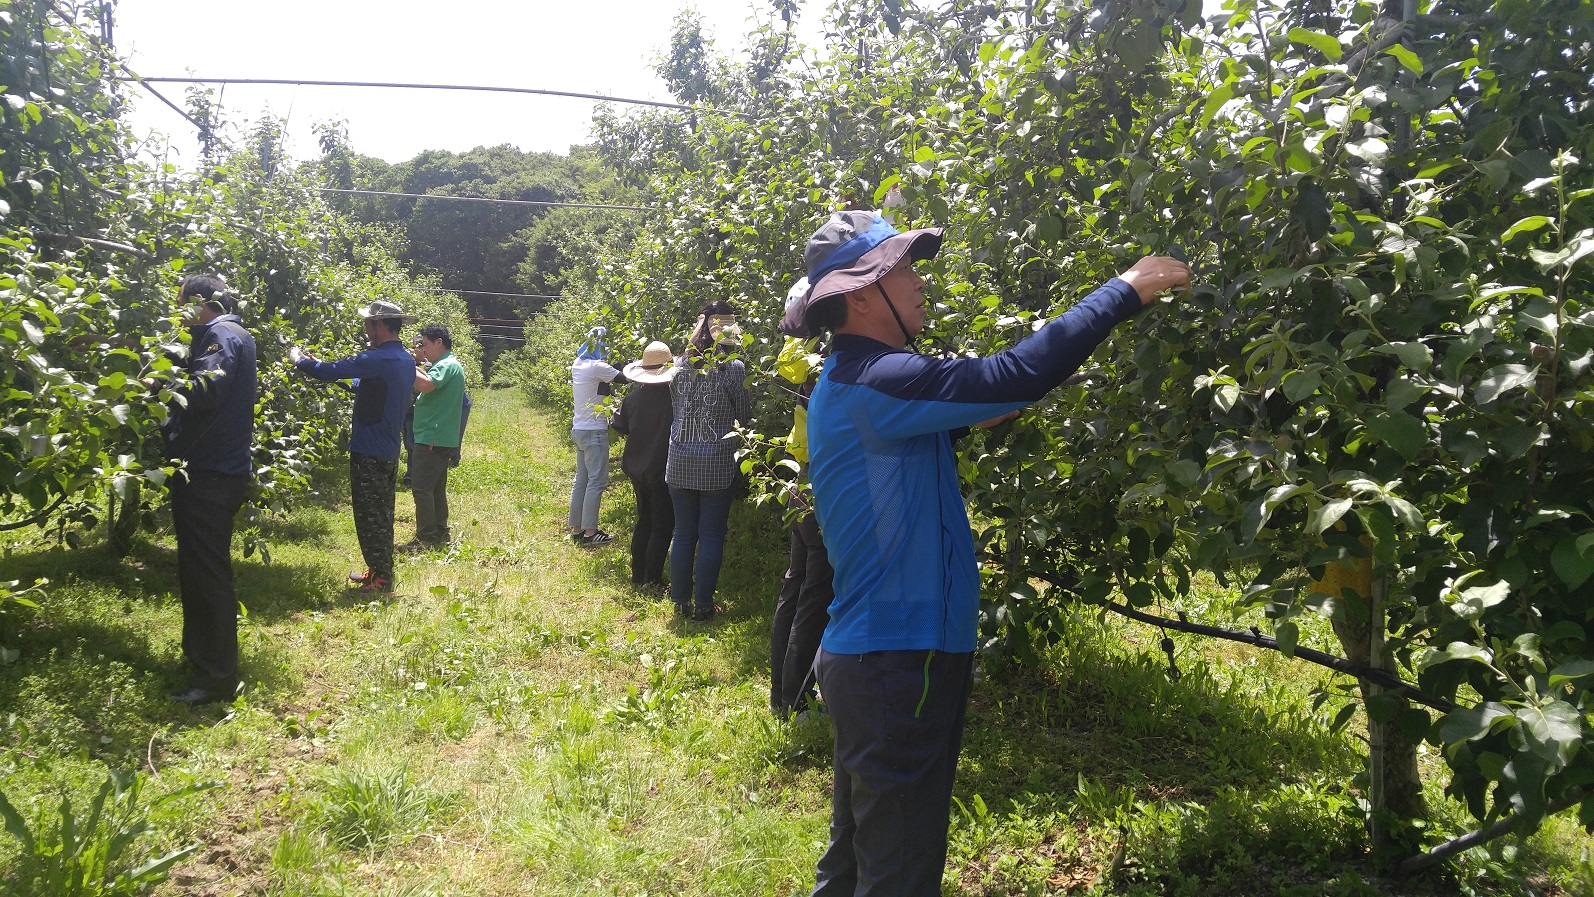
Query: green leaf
(1455, 651)
(1287, 634)
(1325, 44)
(1256, 516)
(1571, 562)
(1215, 101)
(1526, 225)
(1225, 394)
(1469, 723)
(1414, 355)
(1571, 671)
(1312, 209)
(924, 154)
(1406, 514)
(1474, 601)
(1383, 707)
(1500, 380)
(1406, 58)
(16, 825)
(1298, 385)
(1400, 431)
(1326, 515)
(1553, 730)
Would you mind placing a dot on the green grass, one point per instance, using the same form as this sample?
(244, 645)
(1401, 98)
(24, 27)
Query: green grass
(516, 719)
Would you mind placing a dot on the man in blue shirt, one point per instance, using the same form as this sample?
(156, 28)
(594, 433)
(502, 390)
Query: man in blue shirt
(212, 434)
(895, 663)
(385, 374)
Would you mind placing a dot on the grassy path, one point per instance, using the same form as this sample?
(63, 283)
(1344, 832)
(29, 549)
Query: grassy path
(518, 720)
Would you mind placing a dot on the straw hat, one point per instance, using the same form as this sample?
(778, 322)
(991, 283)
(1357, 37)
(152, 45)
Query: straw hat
(657, 365)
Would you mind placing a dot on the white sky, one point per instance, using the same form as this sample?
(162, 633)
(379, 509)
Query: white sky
(602, 47)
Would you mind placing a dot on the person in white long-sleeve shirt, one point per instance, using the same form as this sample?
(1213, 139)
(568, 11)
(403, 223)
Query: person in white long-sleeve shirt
(590, 374)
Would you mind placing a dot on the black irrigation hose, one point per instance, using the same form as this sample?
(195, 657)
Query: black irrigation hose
(1254, 637)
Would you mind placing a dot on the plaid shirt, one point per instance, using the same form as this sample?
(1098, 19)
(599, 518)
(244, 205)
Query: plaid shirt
(707, 404)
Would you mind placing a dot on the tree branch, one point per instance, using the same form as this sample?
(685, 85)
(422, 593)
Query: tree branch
(1448, 849)
(36, 518)
(1255, 638)
(101, 244)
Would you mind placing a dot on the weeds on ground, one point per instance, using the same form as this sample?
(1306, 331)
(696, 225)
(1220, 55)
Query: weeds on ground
(518, 719)
(100, 852)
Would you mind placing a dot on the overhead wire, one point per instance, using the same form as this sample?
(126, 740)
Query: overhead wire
(486, 293)
(511, 202)
(300, 82)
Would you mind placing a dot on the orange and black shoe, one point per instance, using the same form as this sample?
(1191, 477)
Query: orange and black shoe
(359, 578)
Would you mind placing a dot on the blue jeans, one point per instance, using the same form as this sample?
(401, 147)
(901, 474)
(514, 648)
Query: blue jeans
(701, 518)
(592, 475)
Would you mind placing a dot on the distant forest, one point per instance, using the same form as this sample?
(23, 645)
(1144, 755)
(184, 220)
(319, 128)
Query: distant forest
(482, 247)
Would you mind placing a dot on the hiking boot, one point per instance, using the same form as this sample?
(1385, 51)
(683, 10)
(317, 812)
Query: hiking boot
(704, 614)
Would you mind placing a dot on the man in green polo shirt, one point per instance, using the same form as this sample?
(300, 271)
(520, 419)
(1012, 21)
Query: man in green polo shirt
(441, 384)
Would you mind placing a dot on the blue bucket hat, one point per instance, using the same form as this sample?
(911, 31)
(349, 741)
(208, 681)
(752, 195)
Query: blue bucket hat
(849, 252)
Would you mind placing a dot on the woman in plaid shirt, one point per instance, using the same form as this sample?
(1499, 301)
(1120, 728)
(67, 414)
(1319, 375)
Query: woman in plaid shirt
(709, 396)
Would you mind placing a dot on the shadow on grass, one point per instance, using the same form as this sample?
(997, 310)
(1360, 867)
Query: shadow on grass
(1115, 717)
(95, 665)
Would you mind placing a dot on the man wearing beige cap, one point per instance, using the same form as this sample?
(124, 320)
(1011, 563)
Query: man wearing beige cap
(385, 376)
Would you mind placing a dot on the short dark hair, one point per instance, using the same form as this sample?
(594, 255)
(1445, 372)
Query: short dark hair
(829, 314)
(212, 288)
(391, 325)
(432, 332)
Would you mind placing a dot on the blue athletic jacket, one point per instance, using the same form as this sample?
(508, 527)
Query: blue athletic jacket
(885, 480)
(385, 378)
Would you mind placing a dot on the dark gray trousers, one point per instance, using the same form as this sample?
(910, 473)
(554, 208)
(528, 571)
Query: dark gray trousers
(898, 720)
(429, 483)
(203, 507)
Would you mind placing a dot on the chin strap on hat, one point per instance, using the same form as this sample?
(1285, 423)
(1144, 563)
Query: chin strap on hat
(906, 336)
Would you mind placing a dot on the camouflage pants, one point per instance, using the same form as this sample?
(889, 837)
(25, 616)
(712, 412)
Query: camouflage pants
(371, 482)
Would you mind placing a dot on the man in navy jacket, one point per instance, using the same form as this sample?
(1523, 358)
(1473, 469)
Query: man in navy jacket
(896, 661)
(212, 433)
(386, 375)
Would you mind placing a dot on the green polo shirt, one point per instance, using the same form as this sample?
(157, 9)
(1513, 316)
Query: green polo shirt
(437, 412)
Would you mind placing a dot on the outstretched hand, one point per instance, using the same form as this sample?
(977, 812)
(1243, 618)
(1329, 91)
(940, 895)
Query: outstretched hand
(1155, 273)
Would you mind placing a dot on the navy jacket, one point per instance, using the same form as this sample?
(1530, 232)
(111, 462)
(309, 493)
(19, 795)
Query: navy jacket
(386, 376)
(885, 480)
(215, 432)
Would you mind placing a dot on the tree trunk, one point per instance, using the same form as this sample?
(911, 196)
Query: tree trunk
(1395, 786)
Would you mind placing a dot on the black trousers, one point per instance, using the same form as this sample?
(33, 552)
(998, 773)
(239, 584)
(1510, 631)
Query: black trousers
(204, 505)
(650, 539)
(801, 614)
(371, 482)
(898, 719)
